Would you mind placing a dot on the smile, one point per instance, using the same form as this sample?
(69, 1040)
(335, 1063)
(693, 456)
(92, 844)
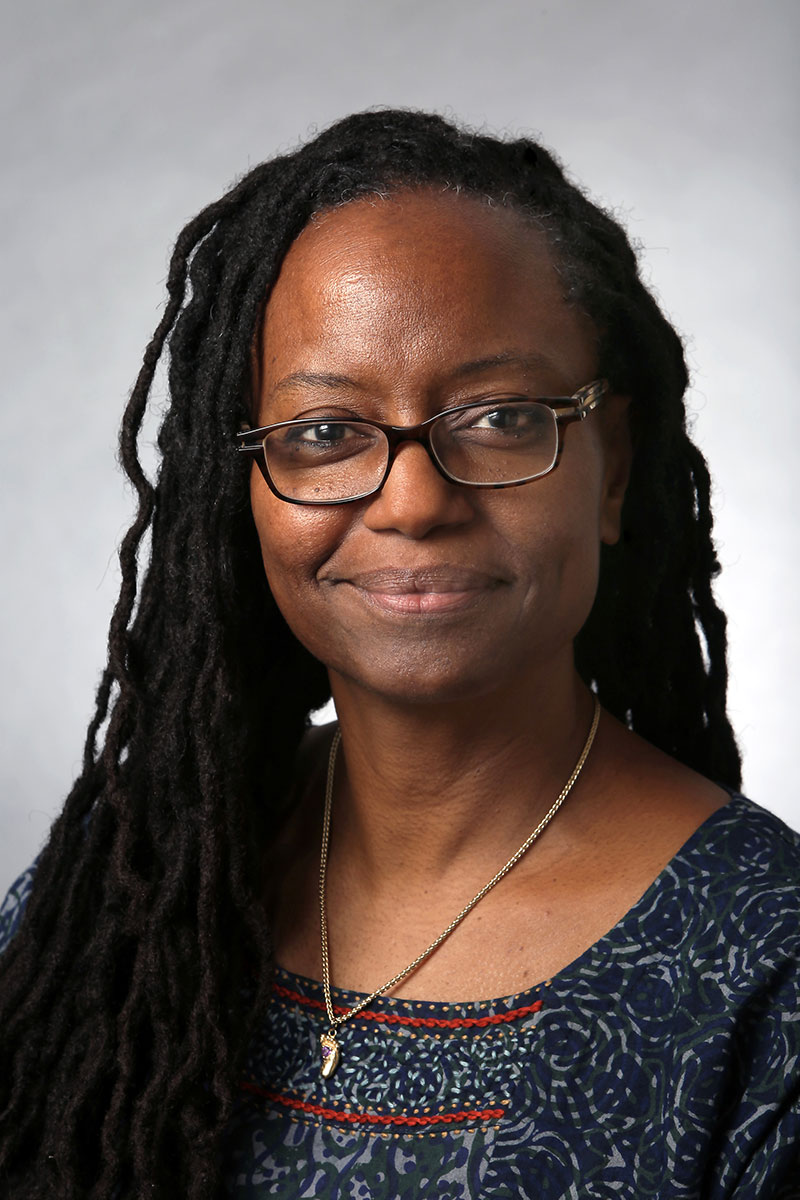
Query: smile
(425, 590)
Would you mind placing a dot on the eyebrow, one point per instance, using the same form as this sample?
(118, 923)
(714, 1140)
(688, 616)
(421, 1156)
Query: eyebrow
(316, 379)
(475, 366)
(508, 359)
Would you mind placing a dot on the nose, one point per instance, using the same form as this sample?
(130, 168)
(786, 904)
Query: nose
(415, 498)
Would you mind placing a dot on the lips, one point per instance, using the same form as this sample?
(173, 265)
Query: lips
(407, 580)
(424, 589)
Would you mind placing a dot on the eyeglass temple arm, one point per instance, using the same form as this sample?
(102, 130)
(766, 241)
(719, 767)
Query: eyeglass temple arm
(244, 447)
(583, 402)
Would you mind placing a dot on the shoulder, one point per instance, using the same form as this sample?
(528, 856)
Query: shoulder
(710, 856)
(695, 995)
(746, 852)
(747, 861)
(739, 989)
(13, 905)
(728, 903)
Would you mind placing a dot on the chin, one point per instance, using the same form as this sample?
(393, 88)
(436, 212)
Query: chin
(420, 693)
(426, 680)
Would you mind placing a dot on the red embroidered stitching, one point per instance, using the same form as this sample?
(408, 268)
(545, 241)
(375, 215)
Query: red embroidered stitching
(332, 1114)
(425, 1022)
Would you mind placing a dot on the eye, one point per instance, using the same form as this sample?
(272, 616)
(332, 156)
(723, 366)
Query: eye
(321, 434)
(320, 442)
(507, 418)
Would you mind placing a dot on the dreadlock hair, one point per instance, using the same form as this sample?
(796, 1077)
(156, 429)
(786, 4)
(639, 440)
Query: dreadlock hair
(132, 988)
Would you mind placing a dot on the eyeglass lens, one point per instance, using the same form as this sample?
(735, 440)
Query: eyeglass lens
(326, 460)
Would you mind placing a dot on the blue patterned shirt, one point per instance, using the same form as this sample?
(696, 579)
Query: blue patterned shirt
(663, 1062)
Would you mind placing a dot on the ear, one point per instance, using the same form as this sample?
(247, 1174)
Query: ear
(618, 453)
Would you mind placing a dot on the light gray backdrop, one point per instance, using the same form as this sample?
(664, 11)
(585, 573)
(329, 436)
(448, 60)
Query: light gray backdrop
(124, 117)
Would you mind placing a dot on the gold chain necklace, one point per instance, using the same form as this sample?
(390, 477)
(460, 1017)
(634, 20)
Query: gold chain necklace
(330, 1048)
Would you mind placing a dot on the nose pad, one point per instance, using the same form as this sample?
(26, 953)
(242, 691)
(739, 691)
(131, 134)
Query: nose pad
(416, 497)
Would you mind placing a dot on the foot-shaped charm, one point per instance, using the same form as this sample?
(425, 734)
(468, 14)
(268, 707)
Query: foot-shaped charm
(330, 1054)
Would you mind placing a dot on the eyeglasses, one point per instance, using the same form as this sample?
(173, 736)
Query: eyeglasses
(485, 444)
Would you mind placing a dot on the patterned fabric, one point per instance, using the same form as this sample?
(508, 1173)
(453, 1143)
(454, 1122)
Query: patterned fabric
(14, 904)
(664, 1062)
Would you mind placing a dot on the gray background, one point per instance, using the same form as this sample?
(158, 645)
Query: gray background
(123, 119)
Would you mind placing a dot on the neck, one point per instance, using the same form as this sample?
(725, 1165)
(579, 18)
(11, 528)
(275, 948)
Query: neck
(417, 793)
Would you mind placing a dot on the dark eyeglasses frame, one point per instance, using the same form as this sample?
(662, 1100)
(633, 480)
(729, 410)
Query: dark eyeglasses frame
(566, 410)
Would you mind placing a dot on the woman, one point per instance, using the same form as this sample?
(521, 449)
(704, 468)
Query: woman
(426, 453)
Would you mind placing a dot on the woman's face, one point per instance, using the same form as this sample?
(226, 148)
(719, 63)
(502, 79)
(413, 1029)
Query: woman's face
(395, 309)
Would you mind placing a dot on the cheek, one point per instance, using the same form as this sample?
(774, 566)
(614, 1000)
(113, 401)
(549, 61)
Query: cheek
(556, 540)
(562, 563)
(295, 542)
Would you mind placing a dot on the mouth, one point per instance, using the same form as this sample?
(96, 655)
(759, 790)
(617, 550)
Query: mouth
(423, 590)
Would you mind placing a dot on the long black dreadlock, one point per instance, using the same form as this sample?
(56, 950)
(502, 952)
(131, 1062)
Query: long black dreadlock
(131, 990)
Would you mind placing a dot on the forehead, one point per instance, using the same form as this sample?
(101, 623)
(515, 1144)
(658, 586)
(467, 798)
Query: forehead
(423, 223)
(419, 280)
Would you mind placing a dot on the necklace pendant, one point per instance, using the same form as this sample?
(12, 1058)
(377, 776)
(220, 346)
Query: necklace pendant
(330, 1054)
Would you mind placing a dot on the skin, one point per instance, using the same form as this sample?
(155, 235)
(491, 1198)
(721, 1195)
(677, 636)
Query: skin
(446, 616)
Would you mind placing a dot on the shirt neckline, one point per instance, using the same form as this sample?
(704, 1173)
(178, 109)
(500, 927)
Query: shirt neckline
(311, 989)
